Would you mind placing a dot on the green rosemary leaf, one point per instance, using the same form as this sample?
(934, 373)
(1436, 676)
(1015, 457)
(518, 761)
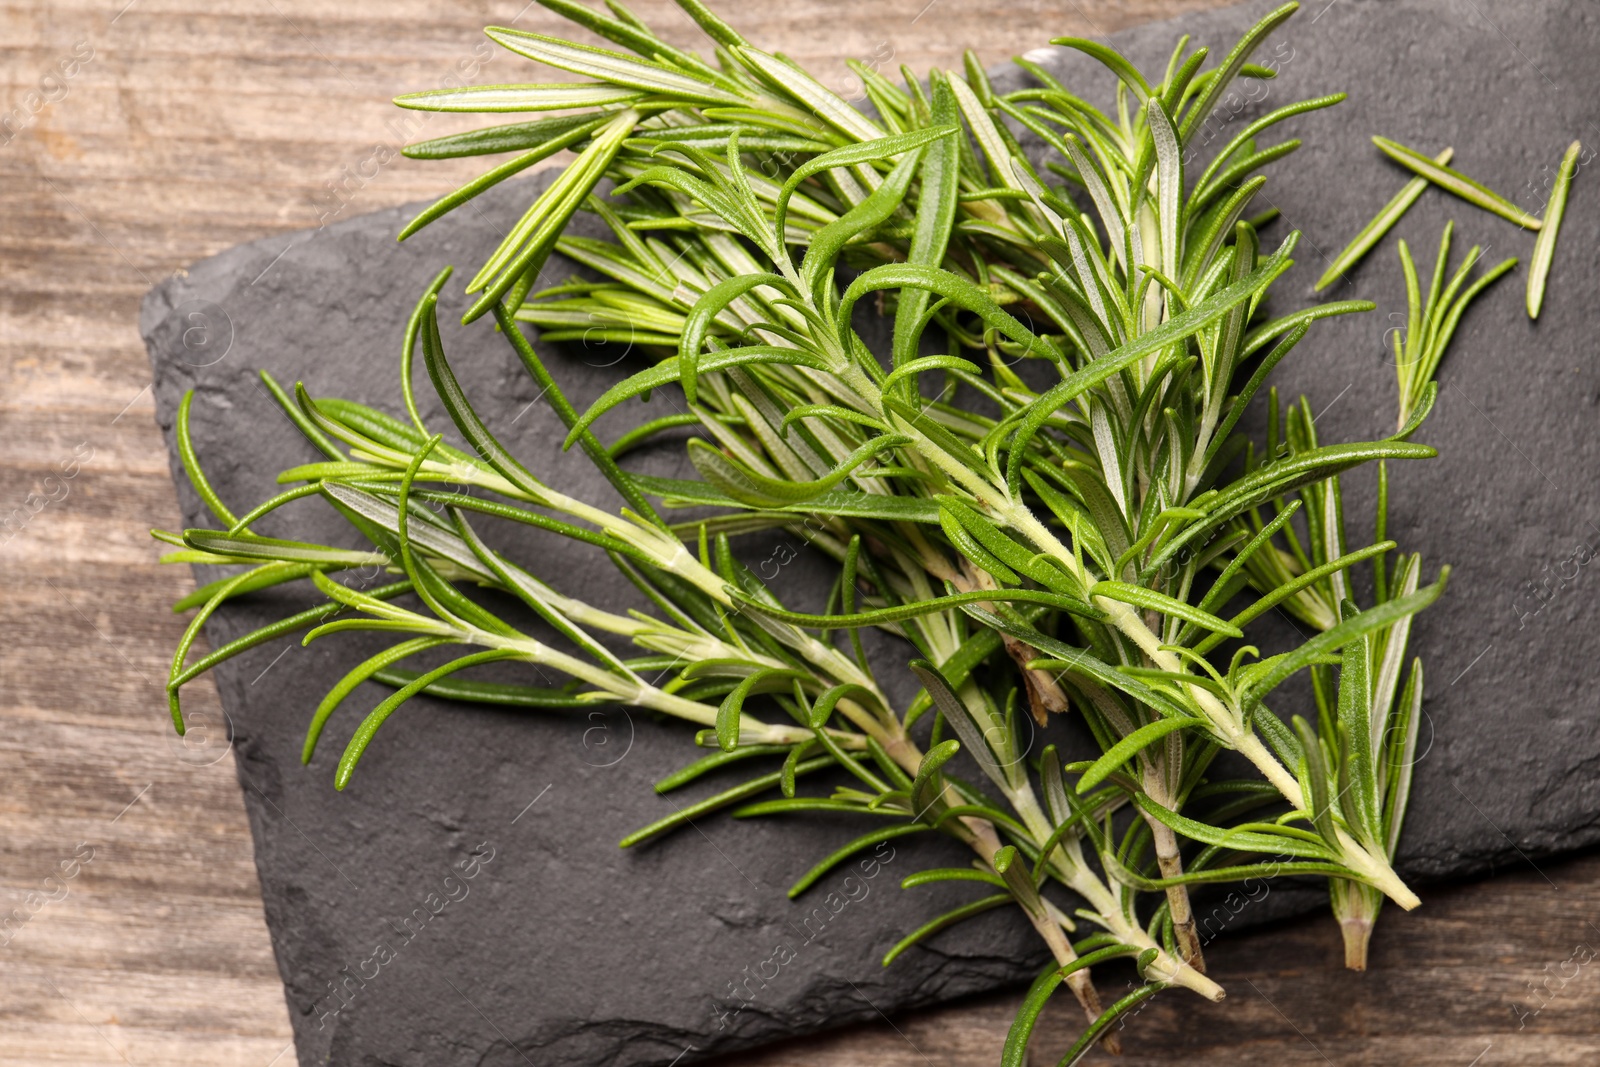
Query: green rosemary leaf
(1230, 178)
(641, 435)
(1169, 185)
(530, 241)
(512, 137)
(1113, 61)
(358, 674)
(957, 291)
(1289, 589)
(501, 98)
(816, 271)
(608, 66)
(494, 177)
(1258, 338)
(808, 92)
(380, 714)
(873, 151)
(670, 370)
(840, 502)
(461, 412)
(1400, 764)
(191, 464)
(499, 694)
(1280, 841)
(1544, 248)
(936, 213)
(1110, 1017)
(1272, 481)
(249, 546)
(1232, 66)
(558, 402)
(943, 922)
(1127, 748)
(865, 841)
(629, 34)
(936, 875)
(1373, 232)
(714, 27)
(270, 632)
(796, 805)
(1015, 1052)
(705, 311)
(386, 515)
(920, 608)
(729, 712)
(1358, 800)
(1209, 179)
(759, 490)
(686, 815)
(1262, 678)
(1154, 601)
(976, 739)
(1455, 182)
(1244, 872)
(263, 577)
(927, 788)
(298, 417)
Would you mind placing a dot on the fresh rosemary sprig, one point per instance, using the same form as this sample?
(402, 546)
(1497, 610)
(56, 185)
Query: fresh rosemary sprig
(1077, 542)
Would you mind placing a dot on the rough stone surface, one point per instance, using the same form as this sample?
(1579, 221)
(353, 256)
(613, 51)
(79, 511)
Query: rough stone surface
(463, 902)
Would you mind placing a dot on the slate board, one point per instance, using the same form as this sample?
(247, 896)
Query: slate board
(531, 937)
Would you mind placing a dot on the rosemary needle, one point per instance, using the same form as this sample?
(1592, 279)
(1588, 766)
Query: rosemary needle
(1454, 181)
(1373, 232)
(1544, 248)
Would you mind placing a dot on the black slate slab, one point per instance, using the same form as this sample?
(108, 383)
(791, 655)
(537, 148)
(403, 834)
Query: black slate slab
(463, 902)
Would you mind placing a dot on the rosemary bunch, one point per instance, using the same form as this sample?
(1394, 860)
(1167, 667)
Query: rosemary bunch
(1166, 248)
(1080, 541)
(992, 219)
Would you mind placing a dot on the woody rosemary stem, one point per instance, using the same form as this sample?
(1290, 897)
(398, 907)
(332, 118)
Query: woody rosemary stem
(1171, 864)
(985, 842)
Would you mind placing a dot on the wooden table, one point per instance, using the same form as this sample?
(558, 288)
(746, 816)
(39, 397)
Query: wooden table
(144, 137)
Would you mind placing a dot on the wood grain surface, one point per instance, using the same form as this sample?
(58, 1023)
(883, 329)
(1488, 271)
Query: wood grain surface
(137, 139)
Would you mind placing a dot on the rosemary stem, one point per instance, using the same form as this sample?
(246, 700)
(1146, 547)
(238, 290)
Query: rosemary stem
(1171, 863)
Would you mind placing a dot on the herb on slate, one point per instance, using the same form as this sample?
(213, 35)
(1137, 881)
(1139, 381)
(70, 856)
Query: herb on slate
(1544, 247)
(1381, 224)
(1453, 181)
(1436, 172)
(1079, 544)
(1431, 321)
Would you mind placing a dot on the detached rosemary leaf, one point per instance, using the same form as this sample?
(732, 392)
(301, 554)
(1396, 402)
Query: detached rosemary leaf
(1373, 232)
(1455, 182)
(1544, 248)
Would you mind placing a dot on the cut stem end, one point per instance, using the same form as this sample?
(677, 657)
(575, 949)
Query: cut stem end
(1357, 936)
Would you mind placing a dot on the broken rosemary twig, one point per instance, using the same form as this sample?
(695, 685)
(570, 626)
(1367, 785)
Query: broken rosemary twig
(1431, 321)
